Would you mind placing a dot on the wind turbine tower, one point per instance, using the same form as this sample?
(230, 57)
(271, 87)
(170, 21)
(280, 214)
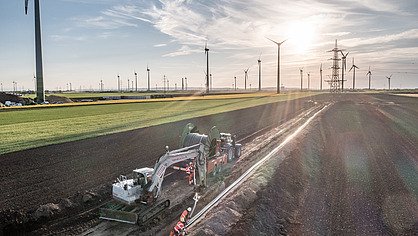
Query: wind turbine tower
(207, 67)
(210, 76)
(278, 62)
(369, 73)
(354, 67)
(309, 80)
(389, 80)
(301, 78)
(40, 92)
(182, 84)
(164, 79)
(259, 72)
(118, 83)
(136, 81)
(335, 82)
(235, 82)
(148, 77)
(320, 74)
(344, 68)
(246, 78)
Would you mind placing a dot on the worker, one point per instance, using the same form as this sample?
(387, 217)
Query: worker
(190, 172)
(179, 229)
(184, 217)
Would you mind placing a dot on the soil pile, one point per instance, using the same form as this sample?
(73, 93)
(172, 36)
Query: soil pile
(15, 98)
(57, 99)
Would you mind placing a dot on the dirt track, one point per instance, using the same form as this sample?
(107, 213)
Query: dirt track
(355, 173)
(48, 174)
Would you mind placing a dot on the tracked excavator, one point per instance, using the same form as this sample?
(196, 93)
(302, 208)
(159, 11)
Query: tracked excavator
(136, 199)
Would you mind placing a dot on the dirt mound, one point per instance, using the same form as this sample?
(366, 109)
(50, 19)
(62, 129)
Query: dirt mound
(15, 98)
(57, 99)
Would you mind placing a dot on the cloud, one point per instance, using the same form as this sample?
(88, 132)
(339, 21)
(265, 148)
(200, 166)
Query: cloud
(409, 34)
(160, 45)
(182, 51)
(101, 22)
(60, 38)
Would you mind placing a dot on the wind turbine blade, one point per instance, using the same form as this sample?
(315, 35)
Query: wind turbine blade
(347, 54)
(351, 68)
(283, 42)
(26, 7)
(272, 41)
(259, 58)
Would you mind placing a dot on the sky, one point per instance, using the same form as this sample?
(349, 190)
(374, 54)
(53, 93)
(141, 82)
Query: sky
(85, 41)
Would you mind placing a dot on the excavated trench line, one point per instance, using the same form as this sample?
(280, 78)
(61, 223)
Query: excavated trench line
(249, 172)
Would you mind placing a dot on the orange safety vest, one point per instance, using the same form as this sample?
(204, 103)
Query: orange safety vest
(179, 227)
(189, 169)
(183, 216)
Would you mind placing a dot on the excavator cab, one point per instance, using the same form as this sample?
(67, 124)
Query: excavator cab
(142, 176)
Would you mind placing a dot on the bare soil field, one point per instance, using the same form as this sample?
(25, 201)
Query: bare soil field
(73, 178)
(354, 173)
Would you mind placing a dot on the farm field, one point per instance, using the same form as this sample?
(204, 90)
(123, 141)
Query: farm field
(354, 172)
(29, 128)
(94, 162)
(92, 95)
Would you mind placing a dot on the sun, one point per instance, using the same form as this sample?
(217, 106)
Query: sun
(301, 35)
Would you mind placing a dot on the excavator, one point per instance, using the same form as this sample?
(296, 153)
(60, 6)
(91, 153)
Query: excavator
(136, 199)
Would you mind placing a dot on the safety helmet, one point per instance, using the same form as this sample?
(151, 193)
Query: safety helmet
(189, 209)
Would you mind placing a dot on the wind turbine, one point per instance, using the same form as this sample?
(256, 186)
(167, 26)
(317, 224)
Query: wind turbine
(207, 67)
(354, 67)
(320, 73)
(309, 80)
(182, 84)
(278, 62)
(245, 78)
(164, 79)
(118, 83)
(259, 72)
(136, 81)
(370, 77)
(40, 92)
(389, 80)
(148, 77)
(210, 76)
(301, 78)
(235, 82)
(343, 69)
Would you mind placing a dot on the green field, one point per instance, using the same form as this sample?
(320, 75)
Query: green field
(94, 95)
(28, 128)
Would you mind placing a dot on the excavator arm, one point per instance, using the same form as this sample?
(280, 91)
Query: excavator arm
(169, 159)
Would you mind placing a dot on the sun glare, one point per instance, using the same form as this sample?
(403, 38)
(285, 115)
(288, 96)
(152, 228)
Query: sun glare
(301, 36)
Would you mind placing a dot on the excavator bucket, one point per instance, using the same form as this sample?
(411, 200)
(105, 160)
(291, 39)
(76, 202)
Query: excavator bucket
(118, 215)
(119, 212)
(140, 214)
